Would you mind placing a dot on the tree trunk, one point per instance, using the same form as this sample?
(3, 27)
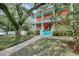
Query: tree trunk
(17, 33)
(6, 32)
(18, 36)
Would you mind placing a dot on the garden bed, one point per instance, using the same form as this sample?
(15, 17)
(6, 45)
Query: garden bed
(45, 47)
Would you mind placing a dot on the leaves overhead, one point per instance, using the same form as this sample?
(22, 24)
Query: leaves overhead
(22, 14)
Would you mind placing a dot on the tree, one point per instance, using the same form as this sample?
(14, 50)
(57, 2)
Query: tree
(4, 24)
(21, 15)
(76, 22)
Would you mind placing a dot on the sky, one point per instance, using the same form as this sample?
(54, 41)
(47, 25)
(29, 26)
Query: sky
(1, 12)
(28, 5)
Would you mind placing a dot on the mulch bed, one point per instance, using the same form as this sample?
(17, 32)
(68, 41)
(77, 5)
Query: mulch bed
(74, 47)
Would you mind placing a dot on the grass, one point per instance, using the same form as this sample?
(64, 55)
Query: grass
(8, 41)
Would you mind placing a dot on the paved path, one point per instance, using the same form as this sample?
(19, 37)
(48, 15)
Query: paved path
(62, 38)
(15, 48)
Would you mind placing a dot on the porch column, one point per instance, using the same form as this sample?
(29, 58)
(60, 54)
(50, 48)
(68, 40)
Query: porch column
(35, 21)
(42, 21)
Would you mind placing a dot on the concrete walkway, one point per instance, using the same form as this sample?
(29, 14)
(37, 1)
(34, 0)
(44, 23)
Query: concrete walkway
(62, 38)
(15, 48)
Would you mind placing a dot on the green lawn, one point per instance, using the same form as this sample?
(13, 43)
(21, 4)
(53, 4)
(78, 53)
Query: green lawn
(8, 41)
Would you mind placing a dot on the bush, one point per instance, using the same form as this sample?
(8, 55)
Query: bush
(67, 33)
(30, 32)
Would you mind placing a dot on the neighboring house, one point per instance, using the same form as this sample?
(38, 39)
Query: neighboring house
(11, 33)
(42, 19)
(2, 32)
